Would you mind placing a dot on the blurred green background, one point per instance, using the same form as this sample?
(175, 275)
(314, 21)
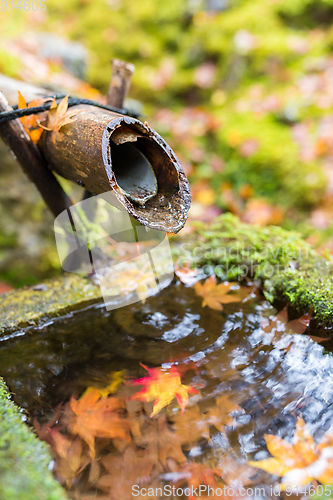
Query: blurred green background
(241, 89)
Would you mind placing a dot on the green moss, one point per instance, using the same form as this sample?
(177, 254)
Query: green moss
(24, 459)
(58, 296)
(287, 267)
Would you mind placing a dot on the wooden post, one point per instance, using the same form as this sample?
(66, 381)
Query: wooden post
(119, 86)
(122, 72)
(32, 162)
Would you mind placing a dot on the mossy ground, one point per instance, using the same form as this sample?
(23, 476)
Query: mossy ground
(24, 459)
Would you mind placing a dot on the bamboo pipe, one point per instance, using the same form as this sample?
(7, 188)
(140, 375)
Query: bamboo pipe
(95, 149)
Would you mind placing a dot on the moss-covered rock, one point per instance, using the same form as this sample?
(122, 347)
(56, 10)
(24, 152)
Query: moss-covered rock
(288, 268)
(36, 305)
(24, 459)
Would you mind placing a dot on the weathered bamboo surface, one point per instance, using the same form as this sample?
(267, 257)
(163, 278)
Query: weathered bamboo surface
(82, 151)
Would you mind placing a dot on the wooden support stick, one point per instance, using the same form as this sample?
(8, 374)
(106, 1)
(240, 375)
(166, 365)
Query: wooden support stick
(122, 72)
(32, 162)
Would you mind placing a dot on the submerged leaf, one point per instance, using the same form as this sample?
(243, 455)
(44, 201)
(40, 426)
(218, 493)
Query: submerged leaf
(277, 326)
(70, 459)
(124, 471)
(187, 275)
(161, 442)
(219, 415)
(116, 379)
(235, 472)
(94, 417)
(192, 425)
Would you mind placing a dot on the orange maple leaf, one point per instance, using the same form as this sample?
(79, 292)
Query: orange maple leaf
(95, 417)
(215, 295)
(59, 116)
(31, 123)
(195, 475)
(162, 387)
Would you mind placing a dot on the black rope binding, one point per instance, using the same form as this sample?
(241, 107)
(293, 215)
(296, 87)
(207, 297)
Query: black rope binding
(6, 116)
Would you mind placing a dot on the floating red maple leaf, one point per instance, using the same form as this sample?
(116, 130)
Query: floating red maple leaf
(162, 387)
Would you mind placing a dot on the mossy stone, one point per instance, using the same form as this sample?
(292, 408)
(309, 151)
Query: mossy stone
(24, 459)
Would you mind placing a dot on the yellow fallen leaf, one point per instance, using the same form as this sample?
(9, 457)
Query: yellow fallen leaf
(301, 461)
(91, 417)
(31, 122)
(116, 379)
(59, 116)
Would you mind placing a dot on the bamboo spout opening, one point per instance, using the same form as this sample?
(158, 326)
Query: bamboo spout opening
(140, 165)
(134, 173)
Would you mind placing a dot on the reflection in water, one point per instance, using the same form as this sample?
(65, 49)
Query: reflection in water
(269, 374)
